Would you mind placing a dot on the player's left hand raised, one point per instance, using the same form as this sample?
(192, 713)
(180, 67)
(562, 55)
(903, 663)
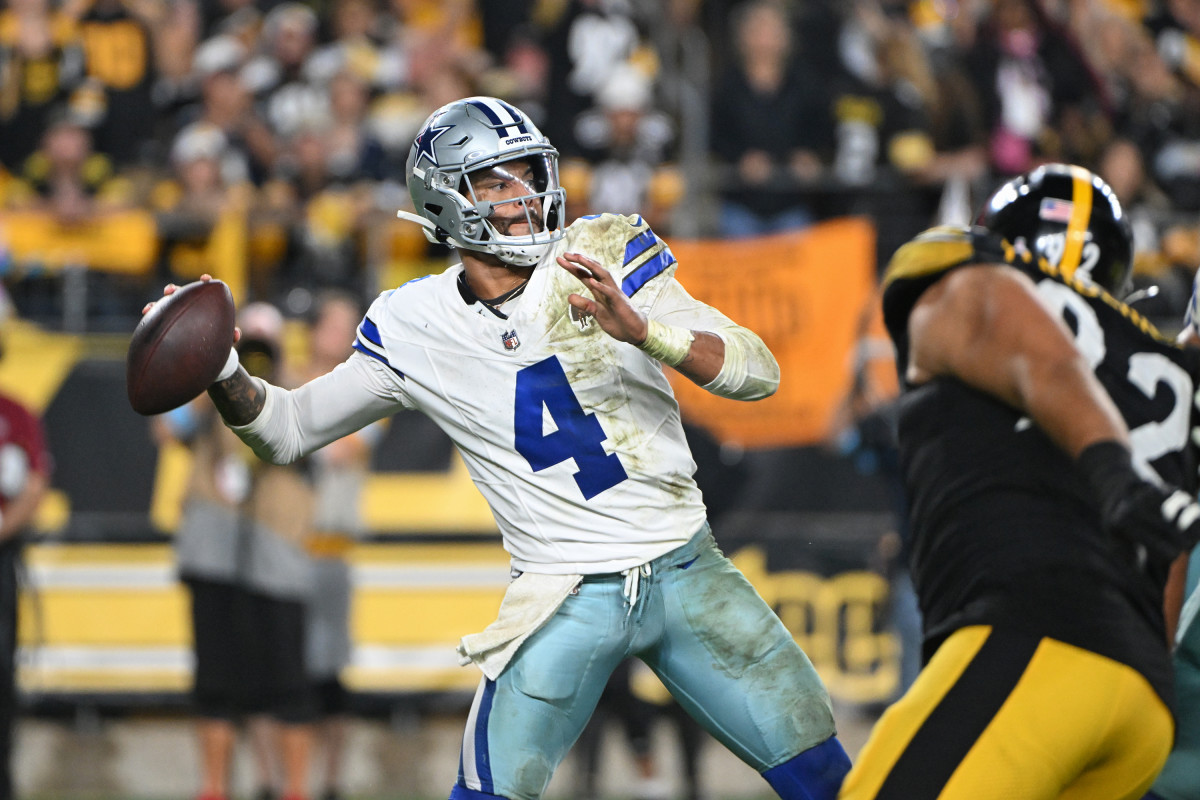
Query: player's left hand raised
(613, 312)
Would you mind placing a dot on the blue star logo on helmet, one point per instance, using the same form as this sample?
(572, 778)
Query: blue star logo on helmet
(425, 142)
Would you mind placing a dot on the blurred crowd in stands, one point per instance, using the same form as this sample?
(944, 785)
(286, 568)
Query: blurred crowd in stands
(711, 119)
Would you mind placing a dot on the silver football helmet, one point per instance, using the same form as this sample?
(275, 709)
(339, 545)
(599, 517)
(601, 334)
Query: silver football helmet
(479, 133)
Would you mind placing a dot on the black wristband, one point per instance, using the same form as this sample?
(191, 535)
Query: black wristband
(1108, 467)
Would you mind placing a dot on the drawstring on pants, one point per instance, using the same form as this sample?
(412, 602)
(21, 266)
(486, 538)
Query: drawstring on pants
(633, 585)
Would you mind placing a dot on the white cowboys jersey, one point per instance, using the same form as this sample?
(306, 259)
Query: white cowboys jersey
(573, 438)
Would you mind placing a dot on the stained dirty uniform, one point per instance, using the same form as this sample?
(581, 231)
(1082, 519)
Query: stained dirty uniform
(1048, 674)
(572, 436)
(575, 440)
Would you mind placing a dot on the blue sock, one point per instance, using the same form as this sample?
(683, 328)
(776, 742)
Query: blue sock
(815, 774)
(463, 793)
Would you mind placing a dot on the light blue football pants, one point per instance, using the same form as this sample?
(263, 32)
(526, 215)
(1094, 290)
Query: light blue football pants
(1180, 777)
(703, 629)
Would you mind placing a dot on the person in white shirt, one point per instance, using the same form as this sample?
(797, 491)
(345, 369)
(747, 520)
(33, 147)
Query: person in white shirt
(541, 356)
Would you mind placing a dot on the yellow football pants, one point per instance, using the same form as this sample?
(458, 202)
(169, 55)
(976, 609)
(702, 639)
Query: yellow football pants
(1002, 715)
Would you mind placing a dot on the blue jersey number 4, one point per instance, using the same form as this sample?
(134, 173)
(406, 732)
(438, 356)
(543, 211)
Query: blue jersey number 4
(579, 434)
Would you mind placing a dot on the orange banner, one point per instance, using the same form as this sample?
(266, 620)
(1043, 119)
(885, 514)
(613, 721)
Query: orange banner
(811, 297)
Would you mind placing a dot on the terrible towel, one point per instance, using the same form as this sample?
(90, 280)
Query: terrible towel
(529, 602)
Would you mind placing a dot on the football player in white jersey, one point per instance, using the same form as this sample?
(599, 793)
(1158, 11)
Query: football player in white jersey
(541, 356)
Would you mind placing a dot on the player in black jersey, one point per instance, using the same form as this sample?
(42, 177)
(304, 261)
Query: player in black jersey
(1044, 428)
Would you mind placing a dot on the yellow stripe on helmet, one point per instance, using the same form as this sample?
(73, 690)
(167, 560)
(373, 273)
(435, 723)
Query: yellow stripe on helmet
(1077, 226)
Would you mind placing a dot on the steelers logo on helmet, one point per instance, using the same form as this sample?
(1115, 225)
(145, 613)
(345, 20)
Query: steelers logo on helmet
(1068, 216)
(479, 135)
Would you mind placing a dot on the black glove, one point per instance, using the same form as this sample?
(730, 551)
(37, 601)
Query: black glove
(1162, 519)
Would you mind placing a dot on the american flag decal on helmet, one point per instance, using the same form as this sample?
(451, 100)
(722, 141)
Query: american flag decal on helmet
(510, 340)
(1055, 210)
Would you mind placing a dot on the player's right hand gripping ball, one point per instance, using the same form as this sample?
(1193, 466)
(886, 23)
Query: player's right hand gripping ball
(179, 347)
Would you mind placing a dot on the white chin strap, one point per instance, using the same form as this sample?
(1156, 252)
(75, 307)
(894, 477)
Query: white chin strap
(508, 249)
(522, 256)
(518, 251)
(417, 218)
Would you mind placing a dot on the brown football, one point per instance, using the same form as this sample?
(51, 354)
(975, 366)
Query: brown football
(179, 347)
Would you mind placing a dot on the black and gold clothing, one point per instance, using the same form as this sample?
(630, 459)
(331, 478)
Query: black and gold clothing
(1005, 530)
(33, 80)
(119, 55)
(1007, 542)
(94, 177)
(1002, 714)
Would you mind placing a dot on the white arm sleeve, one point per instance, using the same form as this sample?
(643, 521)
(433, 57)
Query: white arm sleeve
(296, 422)
(750, 372)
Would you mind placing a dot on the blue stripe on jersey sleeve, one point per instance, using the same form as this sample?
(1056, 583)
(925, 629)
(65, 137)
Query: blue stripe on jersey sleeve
(369, 331)
(642, 275)
(358, 345)
(639, 245)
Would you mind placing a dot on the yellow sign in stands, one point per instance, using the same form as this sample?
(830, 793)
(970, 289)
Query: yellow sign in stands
(121, 242)
(113, 618)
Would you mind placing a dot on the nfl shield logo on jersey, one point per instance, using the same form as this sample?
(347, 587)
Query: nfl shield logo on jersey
(511, 342)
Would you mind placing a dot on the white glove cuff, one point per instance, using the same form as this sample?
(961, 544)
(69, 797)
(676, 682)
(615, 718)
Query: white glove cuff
(667, 343)
(231, 366)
